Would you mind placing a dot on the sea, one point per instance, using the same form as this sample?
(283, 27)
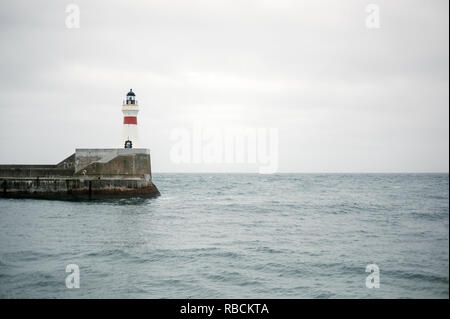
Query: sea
(235, 236)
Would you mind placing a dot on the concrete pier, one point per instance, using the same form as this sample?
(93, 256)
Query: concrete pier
(86, 174)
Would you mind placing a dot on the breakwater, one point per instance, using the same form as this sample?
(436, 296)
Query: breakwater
(86, 174)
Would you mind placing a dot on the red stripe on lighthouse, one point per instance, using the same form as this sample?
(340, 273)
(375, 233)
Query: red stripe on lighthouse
(129, 120)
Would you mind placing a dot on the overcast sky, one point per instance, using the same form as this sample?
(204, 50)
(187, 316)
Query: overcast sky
(345, 98)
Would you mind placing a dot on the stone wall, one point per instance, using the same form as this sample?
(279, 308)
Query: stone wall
(65, 189)
(88, 173)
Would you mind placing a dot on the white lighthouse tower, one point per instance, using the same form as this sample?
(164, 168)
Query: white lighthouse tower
(130, 110)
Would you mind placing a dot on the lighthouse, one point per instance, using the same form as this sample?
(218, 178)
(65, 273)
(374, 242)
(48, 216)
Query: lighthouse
(130, 110)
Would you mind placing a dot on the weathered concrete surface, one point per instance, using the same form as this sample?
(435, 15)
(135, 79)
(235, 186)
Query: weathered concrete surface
(86, 156)
(86, 174)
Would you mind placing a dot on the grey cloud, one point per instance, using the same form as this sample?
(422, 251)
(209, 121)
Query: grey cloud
(310, 68)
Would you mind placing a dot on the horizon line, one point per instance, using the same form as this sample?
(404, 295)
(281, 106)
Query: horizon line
(381, 172)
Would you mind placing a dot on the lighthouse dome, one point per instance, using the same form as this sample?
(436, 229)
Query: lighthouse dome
(131, 93)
